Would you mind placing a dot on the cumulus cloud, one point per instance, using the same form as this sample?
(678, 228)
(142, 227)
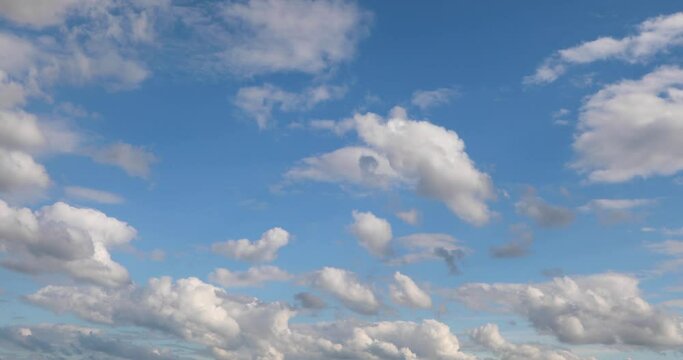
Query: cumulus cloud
(490, 338)
(61, 238)
(543, 214)
(134, 160)
(430, 246)
(405, 292)
(597, 309)
(258, 102)
(654, 36)
(349, 165)
(345, 287)
(262, 250)
(427, 158)
(254, 276)
(99, 196)
(301, 35)
(20, 174)
(234, 327)
(425, 99)
(612, 211)
(372, 232)
(631, 129)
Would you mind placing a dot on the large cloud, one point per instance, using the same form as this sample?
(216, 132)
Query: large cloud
(262, 250)
(597, 309)
(490, 338)
(62, 238)
(632, 129)
(655, 35)
(241, 328)
(426, 157)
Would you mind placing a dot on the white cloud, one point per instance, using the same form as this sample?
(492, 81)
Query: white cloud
(61, 238)
(345, 287)
(425, 99)
(38, 13)
(672, 249)
(411, 216)
(404, 291)
(426, 157)
(373, 233)
(241, 328)
(299, 35)
(541, 212)
(596, 309)
(259, 101)
(263, 250)
(352, 165)
(632, 129)
(254, 276)
(655, 35)
(134, 160)
(489, 337)
(88, 194)
(20, 174)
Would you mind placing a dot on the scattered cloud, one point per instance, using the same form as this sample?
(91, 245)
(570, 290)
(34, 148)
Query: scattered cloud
(596, 309)
(373, 233)
(429, 247)
(425, 99)
(631, 129)
(405, 292)
(134, 160)
(254, 276)
(519, 246)
(262, 250)
(411, 217)
(99, 196)
(543, 214)
(345, 287)
(611, 211)
(654, 36)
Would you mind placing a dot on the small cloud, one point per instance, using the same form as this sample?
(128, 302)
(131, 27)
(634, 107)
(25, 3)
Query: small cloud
(134, 160)
(99, 196)
(411, 216)
(519, 246)
(425, 99)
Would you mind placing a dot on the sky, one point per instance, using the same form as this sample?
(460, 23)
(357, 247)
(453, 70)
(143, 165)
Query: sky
(338, 179)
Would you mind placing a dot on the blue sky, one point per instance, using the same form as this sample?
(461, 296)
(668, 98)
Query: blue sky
(331, 179)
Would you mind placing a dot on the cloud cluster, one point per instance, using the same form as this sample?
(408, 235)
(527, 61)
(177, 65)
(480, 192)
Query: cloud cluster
(631, 129)
(490, 338)
(655, 35)
(423, 156)
(262, 250)
(234, 327)
(61, 238)
(597, 309)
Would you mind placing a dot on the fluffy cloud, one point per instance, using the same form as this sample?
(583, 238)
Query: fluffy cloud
(241, 328)
(134, 160)
(425, 99)
(300, 35)
(254, 276)
(20, 174)
(373, 233)
(431, 246)
(62, 238)
(404, 291)
(344, 286)
(428, 158)
(47, 340)
(352, 165)
(259, 101)
(489, 337)
(655, 35)
(542, 213)
(88, 194)
(596, 309)
(632, 129)
(262, 250)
